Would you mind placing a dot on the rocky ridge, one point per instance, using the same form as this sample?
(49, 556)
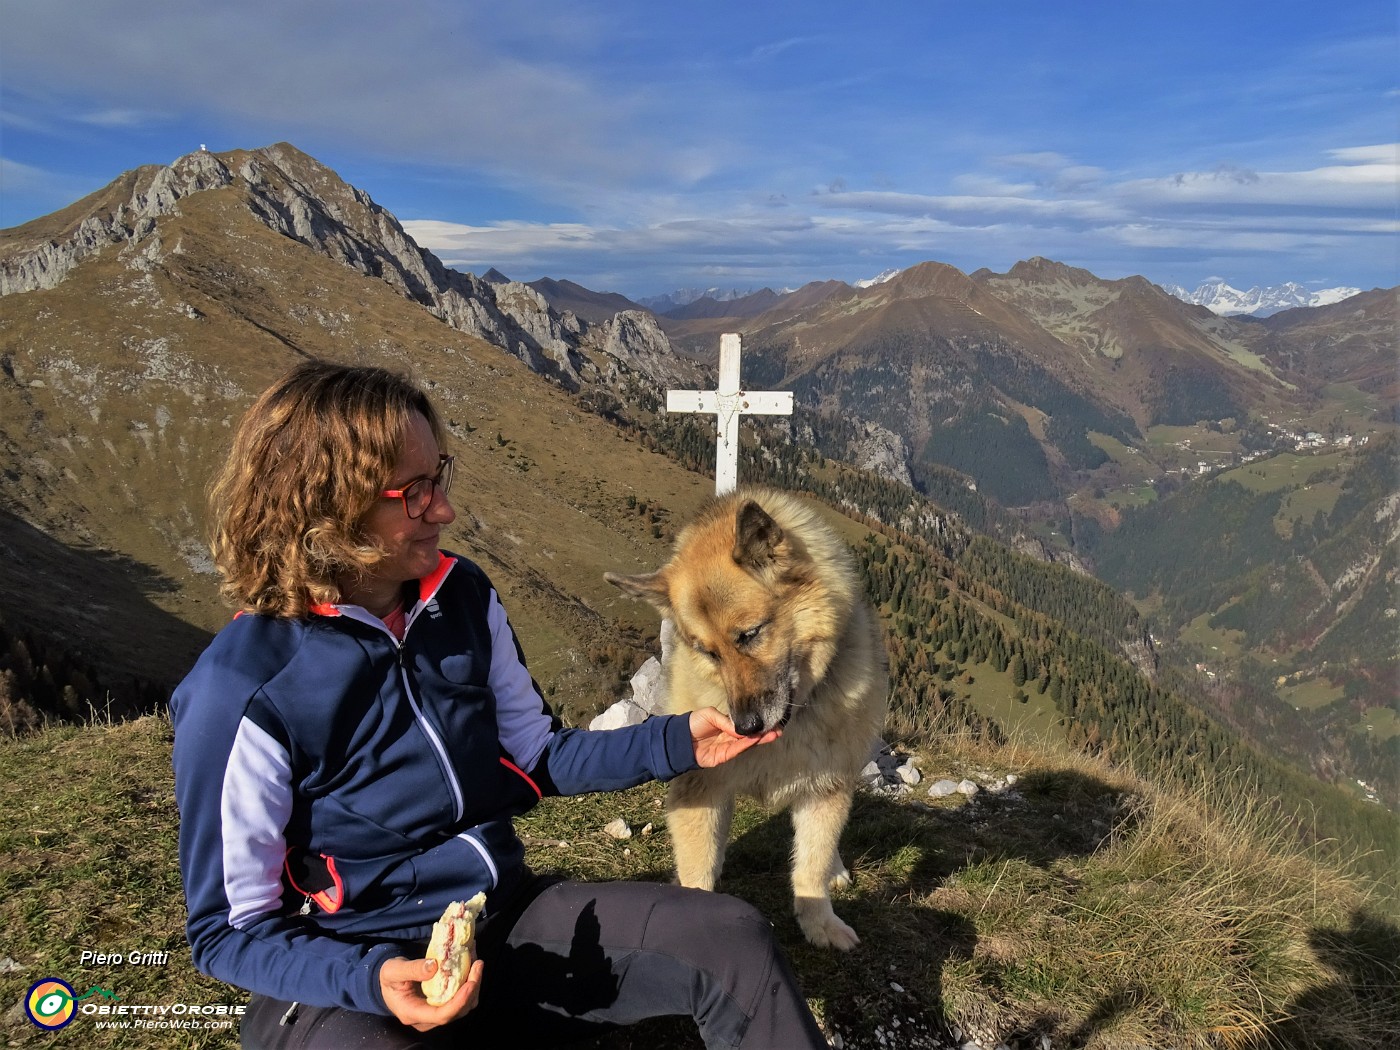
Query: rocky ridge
(302, 199)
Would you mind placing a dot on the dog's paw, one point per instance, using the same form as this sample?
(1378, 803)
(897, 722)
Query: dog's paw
(823, 927)
(840, 878)
(831, 934)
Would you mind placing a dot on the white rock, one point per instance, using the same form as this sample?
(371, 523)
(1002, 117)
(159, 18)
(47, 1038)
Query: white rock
(968, 788)
(896, 986)
(618, 829)
(942, 788)
(622, 713)
(646, 687)
(909, 773)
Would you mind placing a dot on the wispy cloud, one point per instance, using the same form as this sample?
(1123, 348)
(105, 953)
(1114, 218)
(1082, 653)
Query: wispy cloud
(1301, 212)
(60, 187)
(17, 177)
(969, 207)
(766, 51)
(121, 118)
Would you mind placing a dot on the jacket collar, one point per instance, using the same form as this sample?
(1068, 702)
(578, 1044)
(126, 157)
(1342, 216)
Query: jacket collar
(428, 587)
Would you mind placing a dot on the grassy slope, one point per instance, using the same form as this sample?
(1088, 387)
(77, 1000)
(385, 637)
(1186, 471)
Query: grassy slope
(1080, 904)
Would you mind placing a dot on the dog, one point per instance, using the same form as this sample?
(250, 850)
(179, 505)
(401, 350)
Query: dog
(771, 627)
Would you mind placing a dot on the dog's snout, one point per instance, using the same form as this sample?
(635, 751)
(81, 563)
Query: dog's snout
(749, 723)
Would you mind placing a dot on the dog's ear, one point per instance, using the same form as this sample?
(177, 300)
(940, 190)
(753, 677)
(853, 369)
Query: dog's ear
(756, 537)
(651, 588)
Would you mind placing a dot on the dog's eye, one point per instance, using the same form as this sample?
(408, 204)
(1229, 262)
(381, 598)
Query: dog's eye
(745, 637)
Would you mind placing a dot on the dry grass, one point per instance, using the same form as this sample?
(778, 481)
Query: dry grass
(88, 863)
(1081, 904)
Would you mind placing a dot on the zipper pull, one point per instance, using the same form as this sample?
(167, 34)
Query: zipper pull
(305, 906)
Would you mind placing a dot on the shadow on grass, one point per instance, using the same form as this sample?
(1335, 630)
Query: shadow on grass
(899, 853)
(90, 611)
(1356, 1003)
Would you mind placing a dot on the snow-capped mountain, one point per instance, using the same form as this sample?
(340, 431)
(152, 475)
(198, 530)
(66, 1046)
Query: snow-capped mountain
(879, 278)
(1218, 297)
(686, 296)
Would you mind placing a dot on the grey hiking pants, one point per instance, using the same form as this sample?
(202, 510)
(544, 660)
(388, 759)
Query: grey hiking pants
(570, 960)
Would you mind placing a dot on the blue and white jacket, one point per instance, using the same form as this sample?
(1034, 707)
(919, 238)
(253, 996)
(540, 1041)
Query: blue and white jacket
(338, 787)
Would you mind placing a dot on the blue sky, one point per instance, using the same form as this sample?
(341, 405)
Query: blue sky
(643, 147)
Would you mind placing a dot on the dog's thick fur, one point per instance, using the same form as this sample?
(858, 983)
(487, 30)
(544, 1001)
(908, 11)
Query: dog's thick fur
(772, 628)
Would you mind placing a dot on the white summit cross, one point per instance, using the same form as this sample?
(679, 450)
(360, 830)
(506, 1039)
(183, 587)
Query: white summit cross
(728, 403)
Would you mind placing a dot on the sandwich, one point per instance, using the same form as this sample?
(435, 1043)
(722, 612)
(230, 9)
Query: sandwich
(452, 946)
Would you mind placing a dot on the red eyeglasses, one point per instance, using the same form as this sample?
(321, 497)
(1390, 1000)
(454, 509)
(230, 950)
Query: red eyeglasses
(417, 495)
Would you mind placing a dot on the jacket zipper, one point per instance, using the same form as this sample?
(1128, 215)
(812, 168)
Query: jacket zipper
(439, 749)
(434, 738)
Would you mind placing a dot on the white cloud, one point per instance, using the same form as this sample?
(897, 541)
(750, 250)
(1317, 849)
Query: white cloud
(121, 118)
(1142, 235)
(1368, 178)
(57, 186)
(1053, 171)
(969, 206)
(504, 240)
(16, 177)
(766, 51)
(1385, 154)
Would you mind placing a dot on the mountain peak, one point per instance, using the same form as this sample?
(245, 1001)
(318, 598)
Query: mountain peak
(1039, 268)
(932, 278)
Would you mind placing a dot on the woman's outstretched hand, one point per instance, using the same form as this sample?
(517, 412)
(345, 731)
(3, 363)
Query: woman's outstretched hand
(717, 741)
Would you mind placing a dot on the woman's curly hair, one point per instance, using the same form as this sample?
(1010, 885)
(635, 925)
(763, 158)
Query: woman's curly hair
(308, 462)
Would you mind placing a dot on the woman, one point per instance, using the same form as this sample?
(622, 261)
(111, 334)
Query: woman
(351, 749)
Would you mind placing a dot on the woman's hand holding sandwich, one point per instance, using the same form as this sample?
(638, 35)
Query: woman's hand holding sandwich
(401, 982)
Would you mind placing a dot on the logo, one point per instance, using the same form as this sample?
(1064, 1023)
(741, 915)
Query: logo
(51, 1003)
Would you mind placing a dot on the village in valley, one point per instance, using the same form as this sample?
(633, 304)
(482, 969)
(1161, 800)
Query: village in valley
(1288, 437)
